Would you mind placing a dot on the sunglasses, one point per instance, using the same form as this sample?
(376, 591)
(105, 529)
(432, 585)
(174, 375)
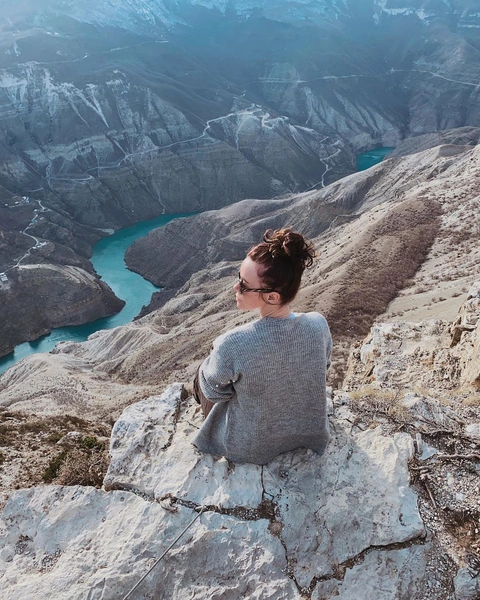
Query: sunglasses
(242, 288)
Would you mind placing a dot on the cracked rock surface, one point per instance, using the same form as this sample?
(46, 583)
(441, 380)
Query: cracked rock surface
(393, 574)
(69, 543)
(423, 379)
(302, 526)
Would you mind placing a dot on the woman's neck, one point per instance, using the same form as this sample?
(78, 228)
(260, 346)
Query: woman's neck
(275, 311)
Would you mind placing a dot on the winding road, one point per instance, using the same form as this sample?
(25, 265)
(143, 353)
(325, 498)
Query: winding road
(38, 243)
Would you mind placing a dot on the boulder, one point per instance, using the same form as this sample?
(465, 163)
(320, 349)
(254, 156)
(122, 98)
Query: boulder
(73, 543)
(467, 585)
(393, 575)
(435, 354)
(466, 334)
(473, 431)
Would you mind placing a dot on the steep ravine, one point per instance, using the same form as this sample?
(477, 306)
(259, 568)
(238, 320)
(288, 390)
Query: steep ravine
(114, 114)
(39, 298)
(405, 425)
(389, 230)
(388, 513)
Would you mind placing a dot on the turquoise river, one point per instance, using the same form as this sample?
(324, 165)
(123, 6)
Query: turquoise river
(107, 258)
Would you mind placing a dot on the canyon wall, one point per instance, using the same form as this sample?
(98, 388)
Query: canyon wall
(111, 114)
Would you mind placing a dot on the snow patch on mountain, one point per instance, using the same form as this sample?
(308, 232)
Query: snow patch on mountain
(153, 15)
(409, 8)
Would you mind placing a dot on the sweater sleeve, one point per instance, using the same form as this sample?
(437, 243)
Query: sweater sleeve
(329, 350)
(217, 373)
(326, 336)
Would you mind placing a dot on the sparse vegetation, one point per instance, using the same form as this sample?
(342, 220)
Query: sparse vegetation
(5, 436)
(32, 426)
(90, 442)
(403, 239)
(377, 403)
(82, 460)
(53, 467)
(84, 464)
(84, 468)
(54, 437)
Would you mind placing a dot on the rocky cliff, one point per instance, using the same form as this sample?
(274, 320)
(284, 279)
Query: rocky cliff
(36, 298)
(404, 205)
(115, 113)
(389, 512)
(403, 243)
(46, 279)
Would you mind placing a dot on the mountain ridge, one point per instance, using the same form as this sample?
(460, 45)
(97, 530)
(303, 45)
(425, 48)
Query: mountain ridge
(405, 423)
(402, 190)
(412, 536)
(117, 121)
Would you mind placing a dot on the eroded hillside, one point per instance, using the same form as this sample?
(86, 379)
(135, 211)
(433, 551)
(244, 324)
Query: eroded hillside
(115, 113)
(402, 236)
(406, 229)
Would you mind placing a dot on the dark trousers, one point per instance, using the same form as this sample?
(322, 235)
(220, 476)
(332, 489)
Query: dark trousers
(199, 396)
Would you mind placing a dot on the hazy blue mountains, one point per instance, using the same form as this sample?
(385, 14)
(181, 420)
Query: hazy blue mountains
(114, 112)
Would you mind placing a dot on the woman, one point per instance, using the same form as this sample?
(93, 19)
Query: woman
(263, 386)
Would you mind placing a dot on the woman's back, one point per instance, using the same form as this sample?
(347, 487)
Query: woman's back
(267, 379)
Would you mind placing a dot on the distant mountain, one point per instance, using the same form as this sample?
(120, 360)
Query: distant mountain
(115, 112)
(146, 14)
(400, 239)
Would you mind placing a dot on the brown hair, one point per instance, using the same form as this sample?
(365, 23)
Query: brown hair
(283, 255)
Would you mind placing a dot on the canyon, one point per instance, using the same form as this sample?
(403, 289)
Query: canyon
(250, 114)
(402, 301)
(114, 114)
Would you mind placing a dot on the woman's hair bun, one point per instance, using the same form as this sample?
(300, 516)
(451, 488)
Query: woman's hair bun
(287, 244)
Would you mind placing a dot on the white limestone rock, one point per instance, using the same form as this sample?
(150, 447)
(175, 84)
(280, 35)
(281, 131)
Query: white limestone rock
(467, 585)
(73, 543)
(269, 532)
(470, 310)
(383, 575)
(466, 337)
(355, 496)
(330, 407)
(435, 354)
(471, 363)
(139, 436)
(142, 458)
(184, 304)
(473, 431)
(425, 409)
(70, 439)
(187, 474)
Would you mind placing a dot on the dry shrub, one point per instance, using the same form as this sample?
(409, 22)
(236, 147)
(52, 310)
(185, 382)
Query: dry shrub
(375, 278)
(83, 468)
(54, 465)
(371, 391)
(377, 402)
(85, 463)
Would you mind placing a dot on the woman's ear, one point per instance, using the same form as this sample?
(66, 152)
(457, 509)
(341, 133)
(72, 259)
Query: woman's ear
(274, 298)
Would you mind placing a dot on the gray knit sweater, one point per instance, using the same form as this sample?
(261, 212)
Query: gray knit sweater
(267, 380)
